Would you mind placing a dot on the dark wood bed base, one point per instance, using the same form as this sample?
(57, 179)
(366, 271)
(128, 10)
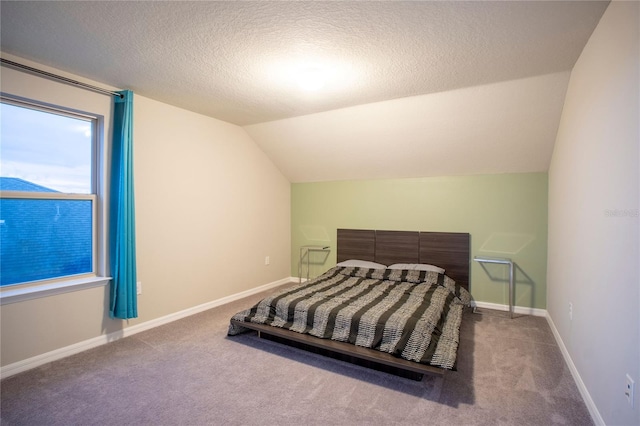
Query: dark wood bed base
(448, 250)
(359, 355)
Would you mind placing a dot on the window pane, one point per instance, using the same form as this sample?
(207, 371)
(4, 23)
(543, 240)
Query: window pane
(44, 238)
(51, 150)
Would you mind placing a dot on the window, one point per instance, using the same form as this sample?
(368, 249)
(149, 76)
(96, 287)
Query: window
(48, 195)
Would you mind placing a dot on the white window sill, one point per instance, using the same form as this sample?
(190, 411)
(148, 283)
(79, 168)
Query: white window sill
(13, 295)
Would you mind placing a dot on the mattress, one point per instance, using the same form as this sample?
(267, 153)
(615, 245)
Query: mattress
(413, 315)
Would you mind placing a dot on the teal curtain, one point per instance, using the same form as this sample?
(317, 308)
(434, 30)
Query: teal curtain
(122, 229)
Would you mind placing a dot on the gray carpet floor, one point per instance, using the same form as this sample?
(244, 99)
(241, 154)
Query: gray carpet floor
(510, 372)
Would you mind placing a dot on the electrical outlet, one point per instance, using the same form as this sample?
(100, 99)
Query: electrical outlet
(266, 260)
(629, 390)
(139, 287)
(570, 311)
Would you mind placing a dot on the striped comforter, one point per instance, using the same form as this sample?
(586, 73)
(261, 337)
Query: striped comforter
(413, 315)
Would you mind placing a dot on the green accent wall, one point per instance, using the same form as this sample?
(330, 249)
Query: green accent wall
(505, 214)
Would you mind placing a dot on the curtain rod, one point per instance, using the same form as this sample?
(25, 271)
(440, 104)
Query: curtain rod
(60, 78)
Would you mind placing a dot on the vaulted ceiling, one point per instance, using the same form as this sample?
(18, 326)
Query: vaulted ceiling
(423, 88)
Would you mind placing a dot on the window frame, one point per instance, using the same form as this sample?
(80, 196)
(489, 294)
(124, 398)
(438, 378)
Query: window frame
(98, 196)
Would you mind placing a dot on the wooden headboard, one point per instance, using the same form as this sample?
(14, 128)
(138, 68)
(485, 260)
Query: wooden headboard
(449, 250)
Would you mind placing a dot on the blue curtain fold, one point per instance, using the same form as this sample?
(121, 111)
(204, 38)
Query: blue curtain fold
(122, 230)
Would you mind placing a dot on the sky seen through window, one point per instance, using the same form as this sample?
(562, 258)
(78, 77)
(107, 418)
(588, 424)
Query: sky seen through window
(47, 149)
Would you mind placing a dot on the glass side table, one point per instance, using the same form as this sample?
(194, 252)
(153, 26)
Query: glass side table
(501, 261)
(305, 253)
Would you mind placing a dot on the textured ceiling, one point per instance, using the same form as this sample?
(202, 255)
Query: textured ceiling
(231, 60)
(498, 69)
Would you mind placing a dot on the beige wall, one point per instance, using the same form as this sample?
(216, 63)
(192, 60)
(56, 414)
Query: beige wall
(593, 216)
(209, 207)
(506, 216)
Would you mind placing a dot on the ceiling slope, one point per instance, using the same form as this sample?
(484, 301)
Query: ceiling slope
(503, 127)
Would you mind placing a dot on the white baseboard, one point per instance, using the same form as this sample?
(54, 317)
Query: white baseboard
(516, 309)
(38, 360)
(586, 396)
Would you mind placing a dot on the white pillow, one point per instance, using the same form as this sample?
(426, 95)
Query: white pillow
(408, 266)
(427, 267)
(361, 264)
(416, 267)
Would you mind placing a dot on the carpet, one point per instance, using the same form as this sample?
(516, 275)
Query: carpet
(510, 372)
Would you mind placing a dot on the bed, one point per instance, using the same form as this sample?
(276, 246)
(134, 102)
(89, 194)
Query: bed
(380, 306)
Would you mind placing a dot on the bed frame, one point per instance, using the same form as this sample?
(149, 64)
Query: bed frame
(448, 250)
